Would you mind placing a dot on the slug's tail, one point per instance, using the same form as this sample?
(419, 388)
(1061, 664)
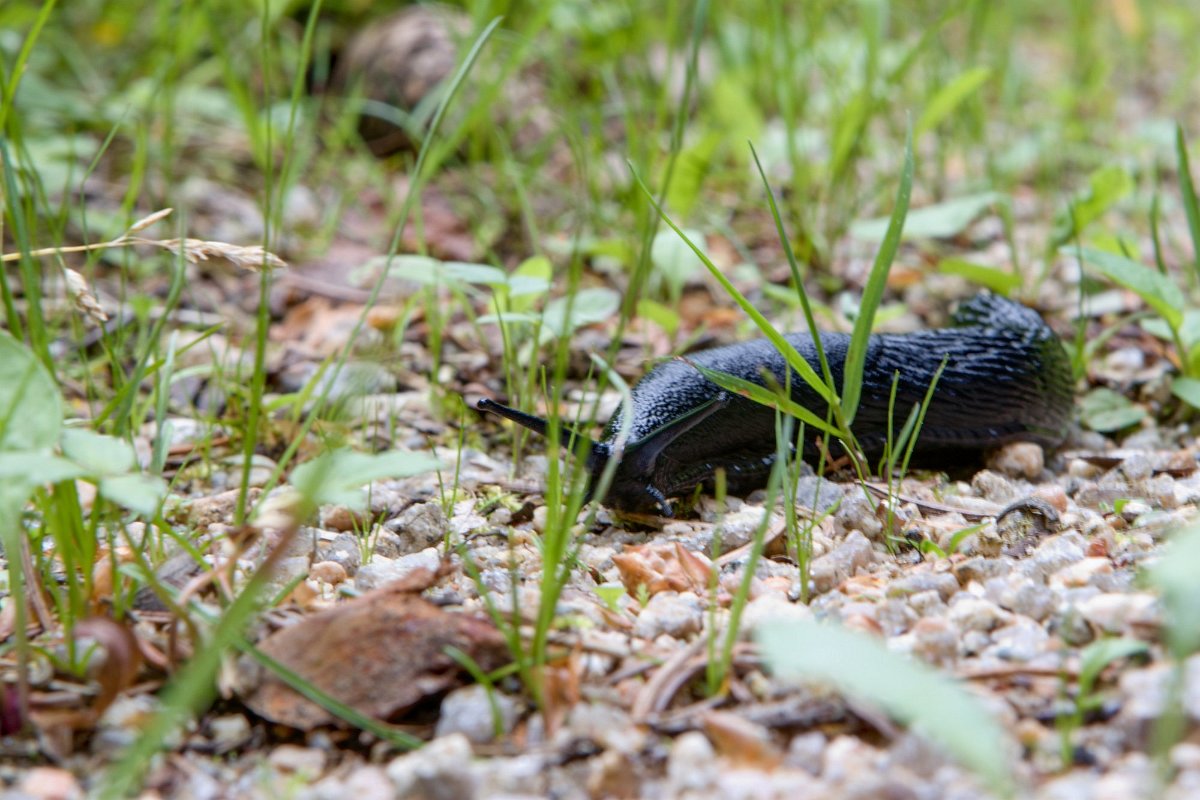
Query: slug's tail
(566, 434)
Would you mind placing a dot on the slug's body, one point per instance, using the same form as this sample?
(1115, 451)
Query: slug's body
(1007, 378)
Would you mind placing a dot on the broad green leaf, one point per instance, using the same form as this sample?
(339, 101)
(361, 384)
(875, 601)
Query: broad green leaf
(659, 314)
(1189, 329)
(931, 702)
(428, 271)
(1104, 410)
(474, 273)
(949, 98)
(856, 354)
(528, 282)
(97, 453)
(37, 469)
(1187, 390)
(765, 396)
(1099, 654)
(337, 476)
(1152, 286)
(998, 280)
(940, 221)
(589, 307)
(509, 318)
(30, 403)
(1174, 573)
(141, 494)
(1105, 187)
(674, 260)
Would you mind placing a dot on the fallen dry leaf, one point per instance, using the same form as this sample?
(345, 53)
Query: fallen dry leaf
(662, 567)
(743, 742)
(380, 654)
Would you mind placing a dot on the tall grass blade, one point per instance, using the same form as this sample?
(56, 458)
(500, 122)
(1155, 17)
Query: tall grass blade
(1188, 188)
(856, 355)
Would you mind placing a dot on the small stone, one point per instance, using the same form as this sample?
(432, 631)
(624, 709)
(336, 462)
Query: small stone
(935, 641)
(979, 569)
(330, 572)
(1054, 553)
(441, 770)
(608, 726)
(671, 613)
(806, 751)
(1020, 641)
(993, 486)
(927, 604)
(228, 732)
(345, 549)
(692, 765)
(976, 614)
(857, 513)
(737, 527)
(771, 608)
(383, 571)
(469, 711)
(819, 494)
(341, 519)
(837, 565)
(1115, 613)
(1082, 573)
(419, 526)
(1018, 460)
(50, 783)
(1186, 756)
(303, 762)
(943, 583)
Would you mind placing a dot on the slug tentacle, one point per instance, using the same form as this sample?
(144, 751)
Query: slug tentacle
(1006, 378)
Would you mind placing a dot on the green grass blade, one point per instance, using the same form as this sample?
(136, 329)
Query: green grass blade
(794, 359)
(856, 355)
(1188, 189)
(949, 98)
(809, 319)
(776, 399)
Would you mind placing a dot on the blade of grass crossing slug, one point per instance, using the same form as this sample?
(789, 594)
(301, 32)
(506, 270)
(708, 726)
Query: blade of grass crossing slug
(1188, 189)
(809, 319)
(794, 359)
(856, 356)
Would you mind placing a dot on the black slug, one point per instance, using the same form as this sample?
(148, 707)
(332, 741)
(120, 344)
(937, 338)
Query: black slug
(1007, 378)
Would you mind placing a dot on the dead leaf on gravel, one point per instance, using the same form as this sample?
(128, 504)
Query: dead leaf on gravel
(743, 742)
(381, 654)
(662, 567)
(113, 661)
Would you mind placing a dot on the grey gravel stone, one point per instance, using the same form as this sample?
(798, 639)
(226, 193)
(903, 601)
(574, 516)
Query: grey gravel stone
(419, 526)
(441, 770)
(826, 493)
(692, 765)
(345, 549)
(840, 563)
(857, 513)
(1053, 554)
(994, 487)
(382, 571)
(470, 711)
(676, 615)
(1018, 460)
(943, 583)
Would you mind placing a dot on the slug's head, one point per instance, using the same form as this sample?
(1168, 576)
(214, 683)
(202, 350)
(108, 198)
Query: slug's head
(631, 490)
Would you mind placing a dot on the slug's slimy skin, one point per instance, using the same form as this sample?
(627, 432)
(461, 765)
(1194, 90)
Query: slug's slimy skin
(1007, 378)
